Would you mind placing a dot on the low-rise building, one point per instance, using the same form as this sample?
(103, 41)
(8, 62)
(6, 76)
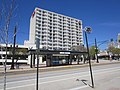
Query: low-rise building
(21, 55)
(118, 41)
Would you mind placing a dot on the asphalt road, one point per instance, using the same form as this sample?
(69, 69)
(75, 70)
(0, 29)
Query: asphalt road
(106, 77)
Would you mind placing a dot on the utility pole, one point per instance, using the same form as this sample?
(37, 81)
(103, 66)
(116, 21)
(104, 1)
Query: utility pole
(12, 65)
(96, 50)
(37, 77)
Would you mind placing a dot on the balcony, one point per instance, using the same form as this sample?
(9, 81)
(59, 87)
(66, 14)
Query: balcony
(45, 27)
(66, 37)
(45, 14)
(66, 31)
(55, 43)
(56, 32)
(44, 34)
(45, 23)
(44, 42)
(44, 31)
(45, 20)
(66, 34)
(65, 27)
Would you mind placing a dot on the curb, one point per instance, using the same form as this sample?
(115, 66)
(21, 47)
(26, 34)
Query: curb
(48, 69)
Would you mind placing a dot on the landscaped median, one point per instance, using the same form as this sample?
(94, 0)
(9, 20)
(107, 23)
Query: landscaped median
(53, 68)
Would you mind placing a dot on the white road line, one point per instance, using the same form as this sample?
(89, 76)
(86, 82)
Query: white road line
(103, 71)
(48, 77)
(45, 82)
(61, 80)
(78, 88)
(109, 69)
(19, 86)
(75, 77)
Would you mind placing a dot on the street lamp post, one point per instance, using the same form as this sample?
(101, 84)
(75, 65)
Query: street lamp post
(88, 30)
(96, 50)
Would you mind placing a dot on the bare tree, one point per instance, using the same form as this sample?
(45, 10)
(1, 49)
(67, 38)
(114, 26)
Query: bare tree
(5, 19)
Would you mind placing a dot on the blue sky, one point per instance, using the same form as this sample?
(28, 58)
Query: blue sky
(102, 15)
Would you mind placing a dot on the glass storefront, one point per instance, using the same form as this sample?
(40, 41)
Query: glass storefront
(60, 60)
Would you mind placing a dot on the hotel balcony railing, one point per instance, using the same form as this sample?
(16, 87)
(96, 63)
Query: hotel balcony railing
(55, 43)
(44, 31)
(74, 44)
(66, 37)
(65, 27)
(56, 32)
(45, 23)
(73, 33)
(44, 15)
(73, 37)
(66, 34)
(45, 20)
(65, 46)
(49, 21)
(44, 41)
(55, 16)
(49, 17)
(55, 19)
(38, 18)
(44, 38)
(45, 27)
(45, 34)
(65, 31)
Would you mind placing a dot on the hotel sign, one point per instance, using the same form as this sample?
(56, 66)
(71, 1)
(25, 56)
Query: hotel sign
(64, 52)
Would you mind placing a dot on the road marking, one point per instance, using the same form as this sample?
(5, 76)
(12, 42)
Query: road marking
(50, 71)
(107, 70)
(103, 71)
(79, 76)
(19, 86)
(45, 82)
(78, 88)
(59, 80)
(47, 77)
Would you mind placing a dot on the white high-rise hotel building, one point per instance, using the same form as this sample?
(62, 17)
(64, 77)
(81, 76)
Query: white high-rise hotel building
(55, 31)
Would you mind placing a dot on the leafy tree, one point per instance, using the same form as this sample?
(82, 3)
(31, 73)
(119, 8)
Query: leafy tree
(92, 52)
(116, 51)
(20, 51)
(79, 48)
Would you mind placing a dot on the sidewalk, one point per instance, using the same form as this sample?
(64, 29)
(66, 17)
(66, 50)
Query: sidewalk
(26, 68)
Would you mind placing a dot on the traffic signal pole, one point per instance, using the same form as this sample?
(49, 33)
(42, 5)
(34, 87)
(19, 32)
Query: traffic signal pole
(96, 50)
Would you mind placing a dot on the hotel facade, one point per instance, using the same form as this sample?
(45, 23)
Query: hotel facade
(54, 31)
